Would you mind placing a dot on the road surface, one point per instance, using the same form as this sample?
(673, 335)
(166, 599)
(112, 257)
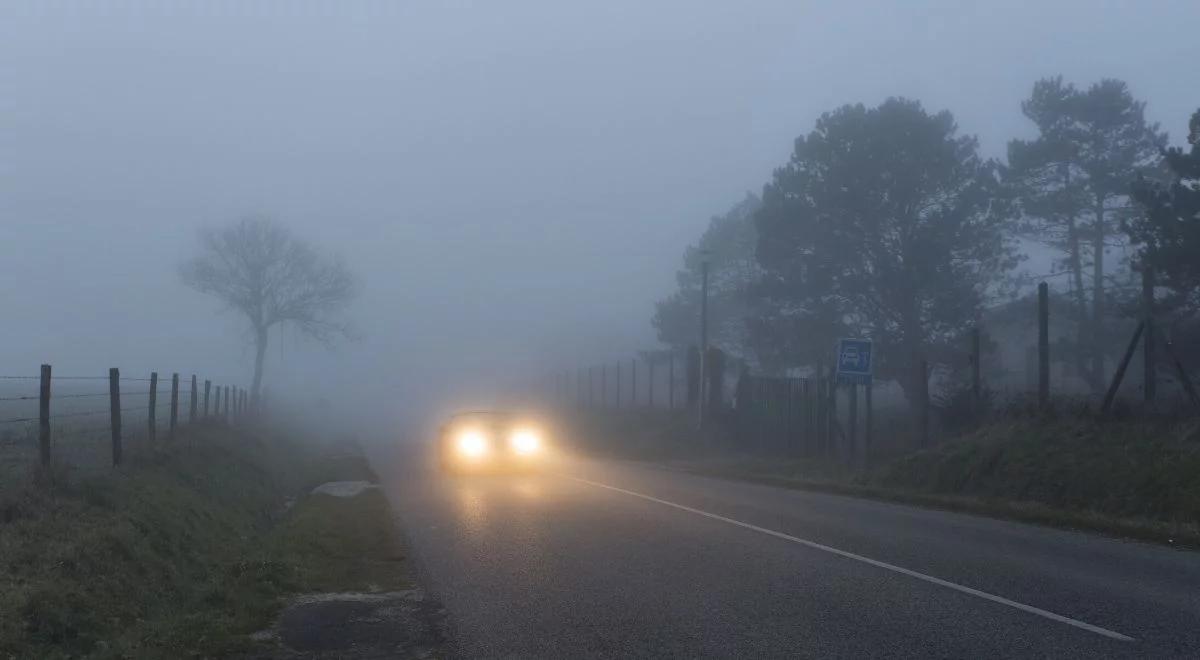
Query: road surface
(612, 559)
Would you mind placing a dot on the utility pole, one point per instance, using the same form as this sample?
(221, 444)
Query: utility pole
(703, 337)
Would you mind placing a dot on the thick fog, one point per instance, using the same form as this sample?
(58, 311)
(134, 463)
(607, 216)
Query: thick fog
(513, 182)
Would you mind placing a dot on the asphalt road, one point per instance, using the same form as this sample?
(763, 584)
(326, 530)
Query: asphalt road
(604, 559)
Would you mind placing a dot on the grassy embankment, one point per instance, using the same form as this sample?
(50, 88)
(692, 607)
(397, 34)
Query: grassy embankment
(1129, 478)
(186, 553)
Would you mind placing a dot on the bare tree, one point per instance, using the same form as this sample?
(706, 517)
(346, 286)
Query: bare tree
(260, 269)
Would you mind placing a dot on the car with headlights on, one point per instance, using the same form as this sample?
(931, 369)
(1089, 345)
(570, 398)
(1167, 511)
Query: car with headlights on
(490, 440)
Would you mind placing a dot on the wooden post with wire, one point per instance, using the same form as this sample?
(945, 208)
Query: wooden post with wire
(1115, 385)
(192, 402)
(1186, 381)
(44, 416)
(633, 382)
(618, 396)
(114, 414)
(151, 421)
(174, 404)
(671, 381)
(852, 441)
(1149, 386)
(976, 373)
(1043, 345)
(923, 373)
(603, 386)
(868, 422)
(650, 382)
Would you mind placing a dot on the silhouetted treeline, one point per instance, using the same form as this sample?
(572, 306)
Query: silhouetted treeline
(887, 223)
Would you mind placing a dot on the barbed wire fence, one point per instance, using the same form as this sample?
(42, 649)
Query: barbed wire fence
(89, 421)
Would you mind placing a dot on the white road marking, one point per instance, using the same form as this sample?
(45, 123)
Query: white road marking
(875, 562)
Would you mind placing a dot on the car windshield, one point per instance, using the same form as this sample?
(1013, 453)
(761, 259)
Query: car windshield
(491, 418)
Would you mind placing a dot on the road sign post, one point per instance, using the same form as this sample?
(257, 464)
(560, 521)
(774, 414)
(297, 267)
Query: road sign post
(854, 367)
(854, 361)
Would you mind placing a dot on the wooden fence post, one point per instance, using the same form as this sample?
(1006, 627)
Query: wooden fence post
(924, 397)
(671, 381)
(650, 383)
(114, 413)
(193, 402)
(831, 416)
(804, 414)
(1120, 374)
(1043, 344)
(1149, 384)
(174, 404)
(1182, 373)
(852, 441)
(976, 373)
(789, 394)
(822, 428)
(868, 423)
(44, 416)
(151, 422)
(633, 382)
(618, 403)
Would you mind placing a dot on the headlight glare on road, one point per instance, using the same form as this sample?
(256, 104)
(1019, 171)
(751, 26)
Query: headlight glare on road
(526, 441)
(472, 444)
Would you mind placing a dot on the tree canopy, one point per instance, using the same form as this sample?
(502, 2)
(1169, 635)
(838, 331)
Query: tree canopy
(888, 224)
(258, 268)
(1169, 232)
(728, 243)
(1072, 183)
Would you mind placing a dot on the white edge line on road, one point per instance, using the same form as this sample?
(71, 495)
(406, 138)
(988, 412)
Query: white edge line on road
(875, 562)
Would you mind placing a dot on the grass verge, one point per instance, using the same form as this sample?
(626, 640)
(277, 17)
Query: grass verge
(1126, 478)
(186, 553)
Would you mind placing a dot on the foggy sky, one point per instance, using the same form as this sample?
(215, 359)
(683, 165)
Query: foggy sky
(514, 182)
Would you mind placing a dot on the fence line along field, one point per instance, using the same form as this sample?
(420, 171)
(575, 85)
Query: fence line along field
(807, 410)
(93, 422)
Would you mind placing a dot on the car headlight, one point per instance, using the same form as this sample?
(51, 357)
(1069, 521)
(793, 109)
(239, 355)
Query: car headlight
(472, 444)
(525, 441)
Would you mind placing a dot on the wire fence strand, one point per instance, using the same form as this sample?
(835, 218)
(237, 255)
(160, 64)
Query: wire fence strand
(79, 378)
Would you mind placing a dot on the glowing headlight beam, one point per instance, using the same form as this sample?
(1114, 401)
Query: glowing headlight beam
(472, 444)
(526, 441)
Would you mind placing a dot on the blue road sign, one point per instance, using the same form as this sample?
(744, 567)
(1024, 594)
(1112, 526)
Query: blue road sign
(854, 361)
